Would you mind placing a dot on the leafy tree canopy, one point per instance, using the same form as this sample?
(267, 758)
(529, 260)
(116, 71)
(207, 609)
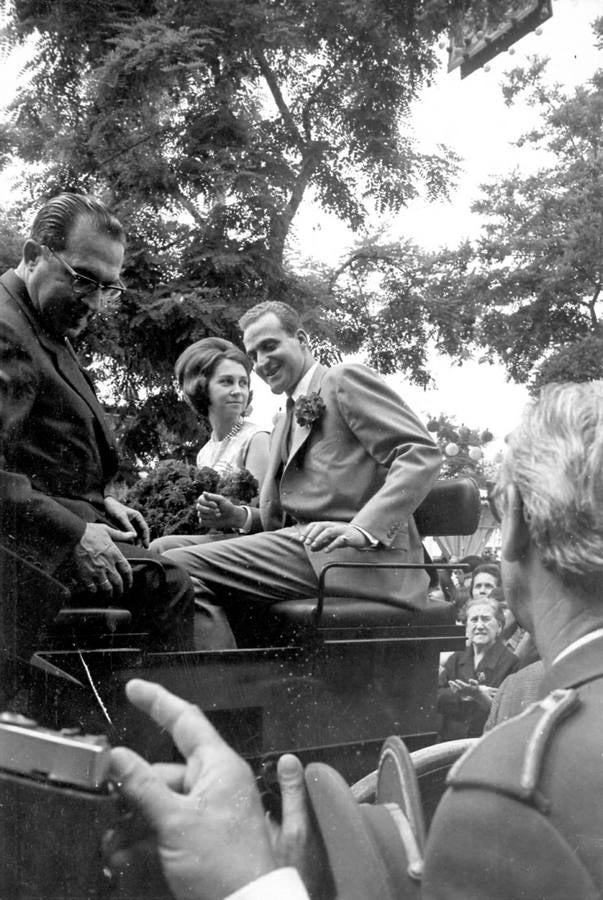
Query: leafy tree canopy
(530, 287)
(204, 124)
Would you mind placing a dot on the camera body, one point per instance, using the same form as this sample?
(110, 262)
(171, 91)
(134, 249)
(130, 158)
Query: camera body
(55, 805)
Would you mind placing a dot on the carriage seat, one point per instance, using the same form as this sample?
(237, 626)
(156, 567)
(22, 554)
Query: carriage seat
(452, 507)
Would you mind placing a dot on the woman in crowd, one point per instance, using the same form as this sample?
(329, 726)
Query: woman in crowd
(469, 677)
(213, 375)
(485, 578)
(478, 583)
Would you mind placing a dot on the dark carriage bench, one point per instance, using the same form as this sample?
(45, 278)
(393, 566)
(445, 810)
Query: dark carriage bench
(337, 678)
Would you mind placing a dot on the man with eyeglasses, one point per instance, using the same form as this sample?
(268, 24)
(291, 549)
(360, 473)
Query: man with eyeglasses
(57, 454)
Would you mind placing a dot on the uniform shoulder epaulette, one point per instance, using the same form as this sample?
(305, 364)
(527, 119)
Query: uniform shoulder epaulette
(509, 759)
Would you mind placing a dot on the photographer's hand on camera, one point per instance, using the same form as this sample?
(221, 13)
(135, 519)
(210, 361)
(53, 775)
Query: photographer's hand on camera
(206, 815)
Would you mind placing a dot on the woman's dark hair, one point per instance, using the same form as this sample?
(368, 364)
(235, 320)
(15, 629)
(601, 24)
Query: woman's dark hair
(489, 568)
(196, 365)
(472, 562)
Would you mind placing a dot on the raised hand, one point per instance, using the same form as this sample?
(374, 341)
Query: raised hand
(216, 511)
(206, 814)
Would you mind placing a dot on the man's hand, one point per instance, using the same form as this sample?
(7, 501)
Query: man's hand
(206, 814)
(128, 518)
(99, 564)
(329, 536)
(295, 841)
(215, 511)
(482, 694)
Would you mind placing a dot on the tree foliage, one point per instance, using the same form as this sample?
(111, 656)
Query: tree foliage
(204, 125)
(394, 301)
(530, 288)
(166, 496)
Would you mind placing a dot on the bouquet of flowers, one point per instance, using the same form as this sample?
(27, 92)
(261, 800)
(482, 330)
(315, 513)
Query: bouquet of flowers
(166, 496)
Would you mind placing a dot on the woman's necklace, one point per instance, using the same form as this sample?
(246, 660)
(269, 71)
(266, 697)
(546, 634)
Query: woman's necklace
(234, 430)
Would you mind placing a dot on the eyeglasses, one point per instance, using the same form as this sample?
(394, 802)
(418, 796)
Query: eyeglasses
(84, 286)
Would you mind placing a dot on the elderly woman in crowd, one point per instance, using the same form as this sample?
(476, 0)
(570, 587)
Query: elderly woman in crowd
(213, 375)
(469, 677)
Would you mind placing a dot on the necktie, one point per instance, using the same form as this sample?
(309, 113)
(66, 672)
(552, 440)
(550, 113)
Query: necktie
(286, 439)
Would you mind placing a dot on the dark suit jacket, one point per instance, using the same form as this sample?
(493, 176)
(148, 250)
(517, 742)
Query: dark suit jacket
(56, 452)
(367, 460)
(464, 718)
(523, 817)
(518, 691)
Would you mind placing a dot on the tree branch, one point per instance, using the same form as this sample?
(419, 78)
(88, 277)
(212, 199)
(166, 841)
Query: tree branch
(327, 73)
(362, 254)
(281, 222)
(282, 107)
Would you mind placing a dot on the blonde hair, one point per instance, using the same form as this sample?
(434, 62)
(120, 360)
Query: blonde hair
(555, 459)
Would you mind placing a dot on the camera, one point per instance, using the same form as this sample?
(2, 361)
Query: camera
(56, 803)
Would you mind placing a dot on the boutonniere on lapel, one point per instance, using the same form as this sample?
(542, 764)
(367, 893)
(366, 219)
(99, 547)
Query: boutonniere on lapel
(309, 408)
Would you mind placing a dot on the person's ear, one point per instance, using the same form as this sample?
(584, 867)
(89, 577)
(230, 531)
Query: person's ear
(302, 338)
(32, 251)
(515, 532)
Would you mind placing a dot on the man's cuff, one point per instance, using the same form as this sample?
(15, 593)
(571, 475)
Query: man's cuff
(273, 886)
(246, 526)
(372, 542)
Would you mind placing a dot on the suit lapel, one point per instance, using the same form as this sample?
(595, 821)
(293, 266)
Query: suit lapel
(301, 434)
(276, 440)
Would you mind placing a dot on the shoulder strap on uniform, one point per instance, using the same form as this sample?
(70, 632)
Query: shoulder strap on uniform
(510, 758)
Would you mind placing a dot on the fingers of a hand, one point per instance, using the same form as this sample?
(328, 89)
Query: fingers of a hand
(318, 533)
(330, 538)
(211, 500)
(127, 536)
(109, 583)
(185, 722)
(124, 570)
(337, 543)
(290, 774)
(136, 780)
(310, 532)
(142, 529)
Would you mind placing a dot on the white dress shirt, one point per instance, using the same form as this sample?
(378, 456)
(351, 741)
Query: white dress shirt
(282, 884)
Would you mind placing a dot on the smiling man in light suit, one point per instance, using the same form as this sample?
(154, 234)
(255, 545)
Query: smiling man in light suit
(349, 463)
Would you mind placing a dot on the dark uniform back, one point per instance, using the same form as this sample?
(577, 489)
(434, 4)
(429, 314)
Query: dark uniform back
(523, 816)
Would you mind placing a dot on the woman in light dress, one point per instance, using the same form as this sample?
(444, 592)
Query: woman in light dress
(213, 375)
